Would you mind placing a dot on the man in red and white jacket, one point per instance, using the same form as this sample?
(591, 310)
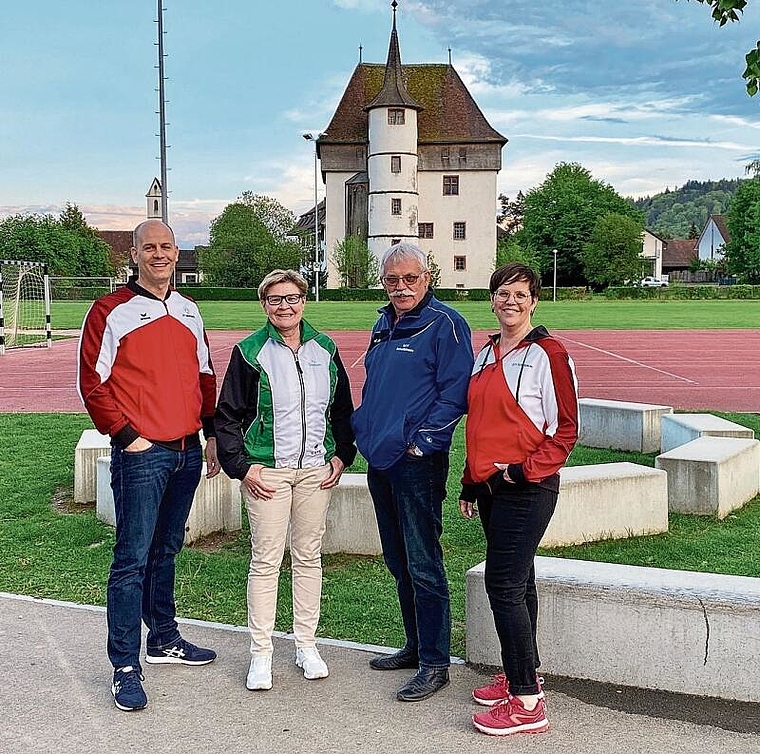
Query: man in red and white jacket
(146, 379)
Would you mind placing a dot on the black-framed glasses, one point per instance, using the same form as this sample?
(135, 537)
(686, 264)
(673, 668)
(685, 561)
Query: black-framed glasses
(393, 280)
(291, 298)
(520, 297)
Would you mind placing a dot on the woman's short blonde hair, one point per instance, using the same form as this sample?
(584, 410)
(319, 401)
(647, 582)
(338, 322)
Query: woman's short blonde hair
(282, 276)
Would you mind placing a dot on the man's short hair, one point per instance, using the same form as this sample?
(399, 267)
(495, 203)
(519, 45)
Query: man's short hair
(401, 251)
(282, 276)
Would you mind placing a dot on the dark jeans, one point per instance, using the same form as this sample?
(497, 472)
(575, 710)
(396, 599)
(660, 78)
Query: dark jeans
(153, 491)
(514, 519)
(408, 500)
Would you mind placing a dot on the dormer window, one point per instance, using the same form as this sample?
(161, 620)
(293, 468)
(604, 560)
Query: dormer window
(396, 116)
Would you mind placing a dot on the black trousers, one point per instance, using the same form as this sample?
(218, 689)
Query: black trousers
(514, 519)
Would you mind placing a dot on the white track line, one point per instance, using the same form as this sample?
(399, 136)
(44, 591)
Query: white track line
(358, 361)
(630, 361)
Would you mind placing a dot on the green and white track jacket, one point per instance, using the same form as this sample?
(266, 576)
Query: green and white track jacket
(281, 408)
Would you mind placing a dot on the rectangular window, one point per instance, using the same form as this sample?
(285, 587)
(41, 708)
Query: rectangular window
(425, 230)
(395, 116)
(460, 263)
(460, 231)
(395, 164)
(463, 154)
(450, 185)
(444, 153)
(395, 206)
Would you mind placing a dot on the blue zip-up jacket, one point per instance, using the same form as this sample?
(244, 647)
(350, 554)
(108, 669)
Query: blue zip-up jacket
(416, 387)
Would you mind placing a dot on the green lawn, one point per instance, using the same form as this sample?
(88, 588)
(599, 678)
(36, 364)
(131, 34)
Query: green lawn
(596, 314)
(52, 548)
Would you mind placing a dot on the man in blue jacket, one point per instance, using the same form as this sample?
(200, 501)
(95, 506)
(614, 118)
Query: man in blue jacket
(418, 366)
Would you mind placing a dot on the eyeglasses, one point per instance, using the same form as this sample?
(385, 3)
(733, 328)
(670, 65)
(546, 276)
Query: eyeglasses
(520, 297)
(291, 298)
(393, 280)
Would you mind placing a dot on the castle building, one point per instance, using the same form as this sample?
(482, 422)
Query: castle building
(409, 156)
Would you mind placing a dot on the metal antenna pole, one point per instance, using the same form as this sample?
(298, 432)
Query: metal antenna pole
(162, 115)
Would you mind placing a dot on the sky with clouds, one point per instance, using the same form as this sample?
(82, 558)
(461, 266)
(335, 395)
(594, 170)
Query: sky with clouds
(644, 93)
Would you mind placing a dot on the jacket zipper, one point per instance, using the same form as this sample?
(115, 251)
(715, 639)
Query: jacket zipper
(303, 409)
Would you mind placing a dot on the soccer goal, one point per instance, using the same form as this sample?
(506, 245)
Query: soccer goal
(24, 305)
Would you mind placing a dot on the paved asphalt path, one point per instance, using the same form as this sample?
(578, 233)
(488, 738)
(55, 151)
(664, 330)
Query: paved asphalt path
(54, 696)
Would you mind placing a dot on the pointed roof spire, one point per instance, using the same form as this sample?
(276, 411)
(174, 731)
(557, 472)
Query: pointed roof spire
(394, 93)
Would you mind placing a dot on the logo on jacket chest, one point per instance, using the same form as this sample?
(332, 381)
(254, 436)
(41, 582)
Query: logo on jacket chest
(406, 347)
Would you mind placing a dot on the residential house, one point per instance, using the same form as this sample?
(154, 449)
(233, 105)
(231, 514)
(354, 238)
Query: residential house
(678, 255)
(713, 238)
(652, 248)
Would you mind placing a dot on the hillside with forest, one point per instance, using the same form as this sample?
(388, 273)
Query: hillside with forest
(683, 212)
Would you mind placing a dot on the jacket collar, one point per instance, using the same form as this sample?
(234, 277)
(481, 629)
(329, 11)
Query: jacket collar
(307, 331)
(140, 291)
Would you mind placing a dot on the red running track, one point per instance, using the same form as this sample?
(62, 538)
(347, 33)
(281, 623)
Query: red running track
(687, 369)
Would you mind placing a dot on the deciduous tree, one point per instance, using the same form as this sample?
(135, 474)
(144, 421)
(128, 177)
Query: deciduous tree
(613, 252)
(248, 240)
(742, 251)
(357, 266)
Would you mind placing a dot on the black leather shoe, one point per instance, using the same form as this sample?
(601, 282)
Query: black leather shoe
(401, 660)
(424, 684)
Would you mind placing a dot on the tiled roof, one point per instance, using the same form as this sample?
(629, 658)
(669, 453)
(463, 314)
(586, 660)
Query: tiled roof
(679, 252)
(118, 240)
(393, 92)
(449, 113)
(306, 220)
(720, 222)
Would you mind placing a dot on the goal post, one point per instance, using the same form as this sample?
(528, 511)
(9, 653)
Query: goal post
(24, 305)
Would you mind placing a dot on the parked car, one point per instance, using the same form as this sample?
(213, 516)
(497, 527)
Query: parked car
(653, 282)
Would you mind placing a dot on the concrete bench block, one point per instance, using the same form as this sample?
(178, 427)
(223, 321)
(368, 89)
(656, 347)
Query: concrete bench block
(91, 446)
(678, 429)
(608, 501)
(712, 475)
(351, 522)
(692, 633)
(620, 425)
(216, 505)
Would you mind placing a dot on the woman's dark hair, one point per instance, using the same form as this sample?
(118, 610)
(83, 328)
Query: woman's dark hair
(511, 273)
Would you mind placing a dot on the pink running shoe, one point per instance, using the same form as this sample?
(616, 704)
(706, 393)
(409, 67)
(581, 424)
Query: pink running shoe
(510, 717)
(498, 691)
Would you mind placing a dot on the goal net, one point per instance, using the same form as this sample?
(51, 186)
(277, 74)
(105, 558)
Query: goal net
(79, 288)
(24, 305)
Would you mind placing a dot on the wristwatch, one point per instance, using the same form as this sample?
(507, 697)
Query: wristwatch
(414, 451)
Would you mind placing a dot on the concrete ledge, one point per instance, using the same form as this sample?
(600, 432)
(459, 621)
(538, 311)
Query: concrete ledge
(351, 523)
(91, 446)
(216, 505)
(711, 475)
(620, 425)
(608, 501)
(693, 633)
(678, 429)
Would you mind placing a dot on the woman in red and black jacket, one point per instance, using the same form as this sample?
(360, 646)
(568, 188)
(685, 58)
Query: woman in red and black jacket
(522, 423)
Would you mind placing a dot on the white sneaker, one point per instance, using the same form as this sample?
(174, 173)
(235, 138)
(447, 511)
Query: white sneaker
(259, 673)
(313, 665)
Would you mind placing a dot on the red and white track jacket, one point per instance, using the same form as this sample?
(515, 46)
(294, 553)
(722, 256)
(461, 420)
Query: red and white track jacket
(522, 410)
(144, 367)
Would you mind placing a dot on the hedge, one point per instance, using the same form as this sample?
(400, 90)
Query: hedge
(685, 292)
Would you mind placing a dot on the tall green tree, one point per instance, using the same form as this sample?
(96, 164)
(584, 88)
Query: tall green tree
(561, 214)
(613, 251)
(247, 241)
(357, 266)
(742, 251)
(510, 249)
(67, 244)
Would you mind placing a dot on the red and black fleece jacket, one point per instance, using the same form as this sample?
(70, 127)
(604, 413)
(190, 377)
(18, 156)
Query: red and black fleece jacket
(144, 367)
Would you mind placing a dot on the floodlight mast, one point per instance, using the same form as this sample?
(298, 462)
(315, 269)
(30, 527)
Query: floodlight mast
(162, 115)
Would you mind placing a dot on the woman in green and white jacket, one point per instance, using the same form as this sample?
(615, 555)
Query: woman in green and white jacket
(283, 425)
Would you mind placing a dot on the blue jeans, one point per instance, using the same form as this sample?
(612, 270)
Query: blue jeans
(153, 491)
(514, 519)
(408, 500)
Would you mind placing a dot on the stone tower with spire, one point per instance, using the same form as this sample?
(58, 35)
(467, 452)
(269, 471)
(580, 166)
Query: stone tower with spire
(409, 156)
(393, 199)
(154, 200)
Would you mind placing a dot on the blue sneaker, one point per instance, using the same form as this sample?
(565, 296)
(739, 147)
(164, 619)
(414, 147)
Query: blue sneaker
(127, 690)
(181, 652)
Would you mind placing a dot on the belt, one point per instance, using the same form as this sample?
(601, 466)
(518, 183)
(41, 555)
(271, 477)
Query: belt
(183, 443)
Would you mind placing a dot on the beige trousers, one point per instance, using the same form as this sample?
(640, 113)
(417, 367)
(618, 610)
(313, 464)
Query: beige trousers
(300, 502)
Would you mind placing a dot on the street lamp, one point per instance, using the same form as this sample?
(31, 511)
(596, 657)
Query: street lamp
(317, 265)
(554, 295)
